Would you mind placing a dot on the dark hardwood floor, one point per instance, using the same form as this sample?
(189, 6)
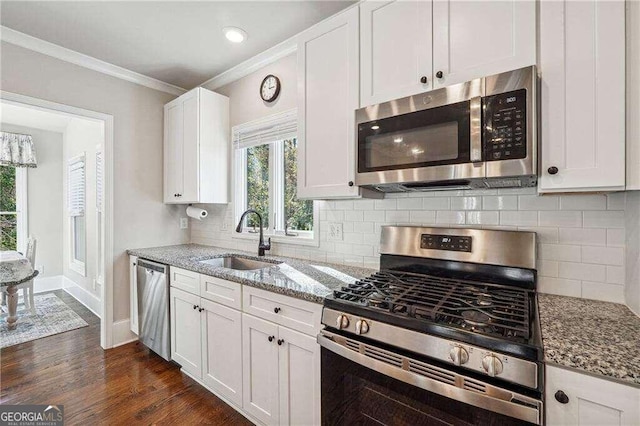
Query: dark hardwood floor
(125, 385)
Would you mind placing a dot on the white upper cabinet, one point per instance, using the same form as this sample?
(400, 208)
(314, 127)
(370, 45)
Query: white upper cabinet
(328, 82)
(395, 50)
(633, 95)
(473, 39)
(196, 147)
(582, 66)
(579, 399)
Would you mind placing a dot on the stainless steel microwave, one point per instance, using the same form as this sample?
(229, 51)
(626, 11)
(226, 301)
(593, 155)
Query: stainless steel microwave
(479, 134)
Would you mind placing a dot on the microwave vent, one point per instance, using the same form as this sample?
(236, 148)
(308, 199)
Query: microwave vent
(503, 183)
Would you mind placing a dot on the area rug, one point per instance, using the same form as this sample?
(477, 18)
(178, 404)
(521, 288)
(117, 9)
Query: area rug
(52, 316)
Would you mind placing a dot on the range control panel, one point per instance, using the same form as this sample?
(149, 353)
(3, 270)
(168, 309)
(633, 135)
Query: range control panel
(445, 242)
(505, 124)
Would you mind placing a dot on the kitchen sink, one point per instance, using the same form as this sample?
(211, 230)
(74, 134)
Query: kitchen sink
(238, 263)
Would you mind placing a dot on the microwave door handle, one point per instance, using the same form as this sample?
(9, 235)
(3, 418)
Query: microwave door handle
(475, 124)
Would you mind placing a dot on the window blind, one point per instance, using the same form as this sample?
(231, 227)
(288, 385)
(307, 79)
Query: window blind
(76, 186)
(99, 182)
(273, 128)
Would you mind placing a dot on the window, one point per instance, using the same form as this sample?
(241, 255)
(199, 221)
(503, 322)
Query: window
(13, 208)
(76, 208)
(266, 179)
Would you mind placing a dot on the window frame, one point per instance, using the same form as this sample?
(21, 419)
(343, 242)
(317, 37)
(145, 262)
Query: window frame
(21, 213)
(275, 231)
(77, 265)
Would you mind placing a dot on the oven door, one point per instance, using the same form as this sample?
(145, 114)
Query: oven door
(365, 384)
(436, 136)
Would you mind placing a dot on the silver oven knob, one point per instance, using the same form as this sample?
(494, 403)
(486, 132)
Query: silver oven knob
(362, 327)
(459, 355)
(492, 365)
(342, 322)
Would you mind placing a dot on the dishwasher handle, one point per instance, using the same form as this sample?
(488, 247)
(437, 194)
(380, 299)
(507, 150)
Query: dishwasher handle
(148, 264)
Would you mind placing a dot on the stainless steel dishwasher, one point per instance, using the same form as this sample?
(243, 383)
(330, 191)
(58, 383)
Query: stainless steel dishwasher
(153, 307)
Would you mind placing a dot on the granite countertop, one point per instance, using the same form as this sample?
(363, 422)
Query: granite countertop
(303, 279)
(601, 338)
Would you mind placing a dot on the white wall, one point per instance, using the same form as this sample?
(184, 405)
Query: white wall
(140, 217)
(82, 137)
(632, 290)
(44, 198)
(246, 104)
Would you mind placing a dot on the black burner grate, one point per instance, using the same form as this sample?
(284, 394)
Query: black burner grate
(484, 308)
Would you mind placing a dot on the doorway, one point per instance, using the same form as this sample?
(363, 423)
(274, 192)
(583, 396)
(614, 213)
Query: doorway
(86, 214)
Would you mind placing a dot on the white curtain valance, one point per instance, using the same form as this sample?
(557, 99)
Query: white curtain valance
(273, 128)
(17, 150)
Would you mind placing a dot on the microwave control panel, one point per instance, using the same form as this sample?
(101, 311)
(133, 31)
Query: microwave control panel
(446, 242)
(505, 124)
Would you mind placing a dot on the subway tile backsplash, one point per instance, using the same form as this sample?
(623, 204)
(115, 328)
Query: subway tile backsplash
(581, 238)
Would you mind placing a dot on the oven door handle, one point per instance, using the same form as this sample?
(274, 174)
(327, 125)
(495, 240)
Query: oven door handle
(475, 129)
(493, 399)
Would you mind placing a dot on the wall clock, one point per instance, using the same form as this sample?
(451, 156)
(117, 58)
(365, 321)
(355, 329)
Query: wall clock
(270, 88)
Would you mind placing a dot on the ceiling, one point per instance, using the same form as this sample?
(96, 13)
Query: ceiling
(180, 43)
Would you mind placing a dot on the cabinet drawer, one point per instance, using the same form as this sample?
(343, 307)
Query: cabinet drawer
(294, 313)
(221, 291)
(185, 280)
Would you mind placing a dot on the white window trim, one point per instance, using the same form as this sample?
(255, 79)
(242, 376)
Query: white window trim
(99, 216)
(304, 238)
(75, 264)
(21, 213)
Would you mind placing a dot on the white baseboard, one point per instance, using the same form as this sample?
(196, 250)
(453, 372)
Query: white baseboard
(88, 299)
(43, 284)
(121, 333)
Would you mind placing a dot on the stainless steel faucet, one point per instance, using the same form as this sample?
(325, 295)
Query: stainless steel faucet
(261, 245)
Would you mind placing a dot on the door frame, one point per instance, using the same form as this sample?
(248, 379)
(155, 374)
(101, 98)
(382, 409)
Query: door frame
(106, 319)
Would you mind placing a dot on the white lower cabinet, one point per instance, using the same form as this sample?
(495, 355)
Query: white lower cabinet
(222, 350)
(260, 368)
(281, 370)
(186, 343)
(257, 362)
(573, 398)
(299, 370)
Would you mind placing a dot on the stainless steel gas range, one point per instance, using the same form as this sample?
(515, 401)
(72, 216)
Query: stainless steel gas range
(446, 332)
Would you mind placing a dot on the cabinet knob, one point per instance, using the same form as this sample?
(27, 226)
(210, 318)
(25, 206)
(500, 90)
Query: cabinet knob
(439, 74)
(280, 342)
(561, 397)
(195, 306)
(271, 338)
(552, 170)
(350, 183)
(276, 310)
(200, 309)
(423, 80)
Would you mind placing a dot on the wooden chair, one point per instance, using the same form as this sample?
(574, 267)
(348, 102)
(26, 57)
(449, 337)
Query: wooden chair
(27, 288)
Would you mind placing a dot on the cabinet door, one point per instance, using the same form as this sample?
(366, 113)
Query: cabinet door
(582, 64)
(190, 148)
(222, 350)
(473, 39)
(592, 401)
(328, 81)
(396, 50)
(186, 343)
(260, 369)
(133, 294)
(299, 378)
(173, 146)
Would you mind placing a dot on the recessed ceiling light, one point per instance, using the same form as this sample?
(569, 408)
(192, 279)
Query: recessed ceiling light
(234, 34)
(398, 140)
(375, 127)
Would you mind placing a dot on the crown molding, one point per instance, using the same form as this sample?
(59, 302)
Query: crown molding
(252, 64)
(56, 51)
